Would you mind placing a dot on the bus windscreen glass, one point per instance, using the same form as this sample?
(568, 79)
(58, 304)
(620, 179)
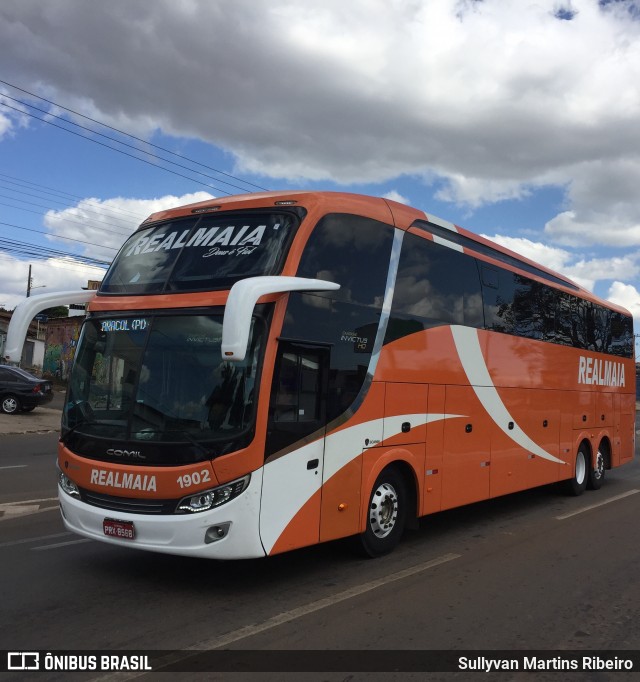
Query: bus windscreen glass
(196, 254)
(151, 380)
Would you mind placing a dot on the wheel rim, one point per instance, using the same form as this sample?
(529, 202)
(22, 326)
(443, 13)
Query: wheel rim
(598, 471)
(581, 468)
(9, 405)
(384, 510)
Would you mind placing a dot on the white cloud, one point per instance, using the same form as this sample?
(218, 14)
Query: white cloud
(490, 99)
(394, 195)
(103, 226)
(476, 192)
(11, 115)
(605, 209)
(590, 272)
(5, 125)
(628, 297)
(493, 91)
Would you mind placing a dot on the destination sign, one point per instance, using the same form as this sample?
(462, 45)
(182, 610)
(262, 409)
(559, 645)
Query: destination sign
(126, 324)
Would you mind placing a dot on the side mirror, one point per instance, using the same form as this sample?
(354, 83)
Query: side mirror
(242, 299)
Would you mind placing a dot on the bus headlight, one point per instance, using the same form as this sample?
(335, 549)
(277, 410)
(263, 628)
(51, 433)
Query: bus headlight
(68, 485)
(208, 499)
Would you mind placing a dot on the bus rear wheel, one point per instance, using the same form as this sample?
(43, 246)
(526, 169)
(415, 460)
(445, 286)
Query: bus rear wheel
(386, 514)
(577, 484)
(596, 472)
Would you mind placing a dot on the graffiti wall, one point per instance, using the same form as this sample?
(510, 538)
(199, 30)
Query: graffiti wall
(62, 340)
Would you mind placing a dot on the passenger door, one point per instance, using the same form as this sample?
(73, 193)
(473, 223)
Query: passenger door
(290, 510)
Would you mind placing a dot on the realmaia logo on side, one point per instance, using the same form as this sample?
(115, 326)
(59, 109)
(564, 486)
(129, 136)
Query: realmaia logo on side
(600, 372)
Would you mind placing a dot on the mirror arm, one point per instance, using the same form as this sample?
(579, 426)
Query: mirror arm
(242, 299)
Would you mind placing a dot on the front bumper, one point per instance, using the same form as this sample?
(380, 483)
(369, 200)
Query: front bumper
(183, 534)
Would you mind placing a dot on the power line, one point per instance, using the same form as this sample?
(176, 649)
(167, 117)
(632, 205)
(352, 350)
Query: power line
(34, 251)
(66, 220)
(120, 151)
(23, 248)
(113, 139)
(62, 261)
(119, 228)
(121, 132)
(70, 239)
(64, 201)
(133, 137)
(44, 189)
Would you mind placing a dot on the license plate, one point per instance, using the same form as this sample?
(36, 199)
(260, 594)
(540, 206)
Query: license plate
(119, 529)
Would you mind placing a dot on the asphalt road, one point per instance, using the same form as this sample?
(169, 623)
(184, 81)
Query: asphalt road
(535, 570)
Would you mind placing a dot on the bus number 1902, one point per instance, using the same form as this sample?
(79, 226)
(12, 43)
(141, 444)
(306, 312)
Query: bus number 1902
(195, 478)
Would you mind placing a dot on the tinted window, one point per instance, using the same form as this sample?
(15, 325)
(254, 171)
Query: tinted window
(517, 305)
(352, 251)
(211, 252)
(565, 333)
(348, 330)
(514, 304)
(492, 252)
(621, 329)
(7, 375)
(298, 398)
(435, 285)
(152, 381)
(144, 263)
(355, 253)
(239, 246)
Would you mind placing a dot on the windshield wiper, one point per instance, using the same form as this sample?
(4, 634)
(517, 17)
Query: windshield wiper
(193, 441)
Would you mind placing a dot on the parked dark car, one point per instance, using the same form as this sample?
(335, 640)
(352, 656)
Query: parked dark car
(21, 391)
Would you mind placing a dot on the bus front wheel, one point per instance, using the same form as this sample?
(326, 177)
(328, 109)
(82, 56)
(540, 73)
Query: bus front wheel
(386, 514)
(578, 482)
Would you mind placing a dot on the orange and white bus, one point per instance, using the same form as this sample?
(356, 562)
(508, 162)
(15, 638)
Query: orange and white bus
(264, 372)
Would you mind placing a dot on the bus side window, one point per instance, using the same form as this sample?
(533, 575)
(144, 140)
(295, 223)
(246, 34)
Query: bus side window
(298, 394)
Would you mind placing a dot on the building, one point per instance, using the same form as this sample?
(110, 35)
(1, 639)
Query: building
(34, 348)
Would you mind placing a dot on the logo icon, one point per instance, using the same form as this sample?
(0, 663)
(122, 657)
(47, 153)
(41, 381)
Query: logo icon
(23, 660)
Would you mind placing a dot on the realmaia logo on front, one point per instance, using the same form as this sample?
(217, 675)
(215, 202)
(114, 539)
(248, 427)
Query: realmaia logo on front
(119, 479)
(244, 236)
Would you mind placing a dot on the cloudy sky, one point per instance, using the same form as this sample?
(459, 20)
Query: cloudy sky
(517, 119)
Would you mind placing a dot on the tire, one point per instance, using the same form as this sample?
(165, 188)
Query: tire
(577, 484)
(596, 472)
(10, 404)
(387, 514)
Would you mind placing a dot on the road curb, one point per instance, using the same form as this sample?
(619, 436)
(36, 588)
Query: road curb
(41, 420)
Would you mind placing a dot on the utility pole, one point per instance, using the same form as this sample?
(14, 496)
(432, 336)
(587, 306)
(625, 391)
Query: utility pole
(30, 283)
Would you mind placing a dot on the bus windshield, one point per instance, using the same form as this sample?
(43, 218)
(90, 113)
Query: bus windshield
(201, 253)
(142, 381)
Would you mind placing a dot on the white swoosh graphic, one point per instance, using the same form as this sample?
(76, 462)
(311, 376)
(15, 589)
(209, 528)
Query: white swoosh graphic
(287, 485)
(473, 363)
